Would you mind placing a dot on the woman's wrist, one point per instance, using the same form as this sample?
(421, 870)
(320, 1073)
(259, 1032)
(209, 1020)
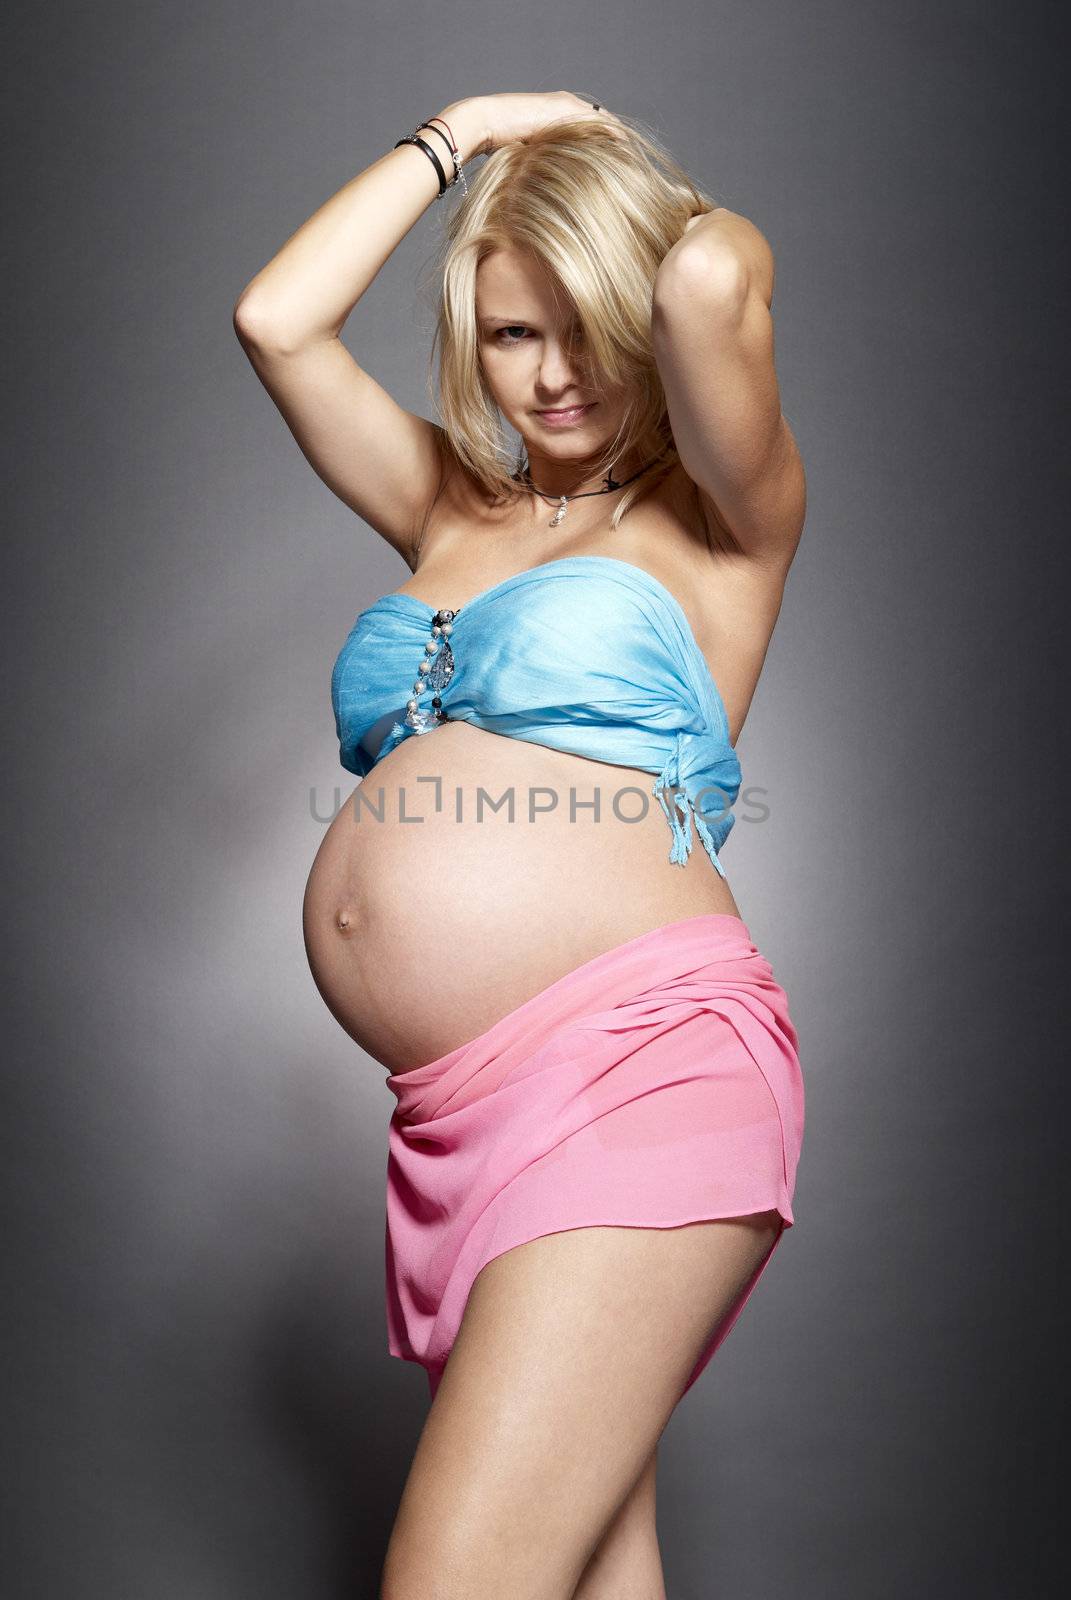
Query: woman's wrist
(467, 122)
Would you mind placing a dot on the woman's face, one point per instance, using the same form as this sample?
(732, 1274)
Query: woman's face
(532, 360)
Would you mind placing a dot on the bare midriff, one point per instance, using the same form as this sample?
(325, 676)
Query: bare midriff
(431, 913)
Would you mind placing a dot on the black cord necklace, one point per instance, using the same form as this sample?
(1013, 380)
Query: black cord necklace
(564, 499)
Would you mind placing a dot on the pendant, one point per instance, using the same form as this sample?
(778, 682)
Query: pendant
(559, 514)
(442, 669)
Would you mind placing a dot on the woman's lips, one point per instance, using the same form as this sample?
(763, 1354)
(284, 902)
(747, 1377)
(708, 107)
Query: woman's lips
(565, 418)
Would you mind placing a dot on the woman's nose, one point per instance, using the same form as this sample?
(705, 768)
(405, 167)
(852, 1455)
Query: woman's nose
(557, 368)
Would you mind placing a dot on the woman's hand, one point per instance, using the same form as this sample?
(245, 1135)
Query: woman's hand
(514, 116)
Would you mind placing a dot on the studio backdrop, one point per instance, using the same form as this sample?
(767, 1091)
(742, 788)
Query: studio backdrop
(201, 1403)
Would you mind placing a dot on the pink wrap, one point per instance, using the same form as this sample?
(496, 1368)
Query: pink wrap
(657, 1084)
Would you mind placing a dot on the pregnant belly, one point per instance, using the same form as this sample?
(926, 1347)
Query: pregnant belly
(431, 913)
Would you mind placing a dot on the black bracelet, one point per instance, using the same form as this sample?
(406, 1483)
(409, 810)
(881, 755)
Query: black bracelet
(447, 139)
(414, 138)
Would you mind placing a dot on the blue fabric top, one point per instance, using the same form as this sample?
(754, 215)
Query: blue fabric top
(586, 654)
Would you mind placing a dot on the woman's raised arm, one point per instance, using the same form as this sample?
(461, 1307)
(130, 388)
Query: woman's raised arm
(306, 291)
(381, 460)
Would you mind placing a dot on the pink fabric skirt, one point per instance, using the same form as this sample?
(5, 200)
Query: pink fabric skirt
(655, 1085)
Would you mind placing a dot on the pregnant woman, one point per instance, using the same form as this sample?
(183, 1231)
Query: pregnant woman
(599, 1101)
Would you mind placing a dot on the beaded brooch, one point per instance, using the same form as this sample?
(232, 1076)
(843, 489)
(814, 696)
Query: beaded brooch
(434, 673)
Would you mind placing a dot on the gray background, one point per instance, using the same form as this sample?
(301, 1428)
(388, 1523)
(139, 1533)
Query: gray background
(201, 1402)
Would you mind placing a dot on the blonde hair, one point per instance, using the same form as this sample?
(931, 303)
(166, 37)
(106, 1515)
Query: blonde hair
(599, 211)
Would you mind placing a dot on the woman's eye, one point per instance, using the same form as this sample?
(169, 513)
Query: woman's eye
(513, 328)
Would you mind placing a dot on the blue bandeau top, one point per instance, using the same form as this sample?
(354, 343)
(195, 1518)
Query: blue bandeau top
(585, 654)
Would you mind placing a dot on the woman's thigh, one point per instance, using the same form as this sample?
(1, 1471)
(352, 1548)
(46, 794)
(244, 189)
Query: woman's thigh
(572, 1353)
